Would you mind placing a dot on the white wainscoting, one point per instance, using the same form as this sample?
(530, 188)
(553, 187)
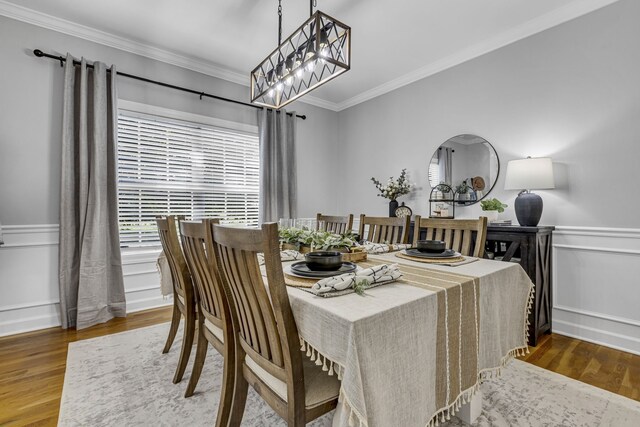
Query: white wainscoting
(596, 285)
(29, 298)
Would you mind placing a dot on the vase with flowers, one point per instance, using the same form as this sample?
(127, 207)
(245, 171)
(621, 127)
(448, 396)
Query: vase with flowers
(393, 189)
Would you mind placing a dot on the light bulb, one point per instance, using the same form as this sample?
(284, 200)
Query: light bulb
(279, 86)
(289, 63)
(289, 80)
(270, 93)
(324, 52)
(324, 39)
(299, 72)
(311, 65)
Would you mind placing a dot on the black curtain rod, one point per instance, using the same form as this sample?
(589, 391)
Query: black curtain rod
(62, 59)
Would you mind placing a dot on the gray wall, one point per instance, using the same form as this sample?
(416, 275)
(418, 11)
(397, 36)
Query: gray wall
(571, 92)
(30, 120)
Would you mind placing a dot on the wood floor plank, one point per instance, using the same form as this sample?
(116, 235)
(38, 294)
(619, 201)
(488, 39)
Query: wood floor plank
(32, 366)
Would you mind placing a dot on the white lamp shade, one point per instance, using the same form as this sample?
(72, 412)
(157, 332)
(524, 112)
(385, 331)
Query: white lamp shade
(529, 174)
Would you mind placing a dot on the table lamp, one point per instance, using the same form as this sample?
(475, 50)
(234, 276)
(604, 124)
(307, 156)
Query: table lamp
(526, 175)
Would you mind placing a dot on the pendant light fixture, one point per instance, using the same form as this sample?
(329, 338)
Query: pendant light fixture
(318, 51)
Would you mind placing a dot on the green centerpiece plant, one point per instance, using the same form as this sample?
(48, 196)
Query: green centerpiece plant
(305, 240)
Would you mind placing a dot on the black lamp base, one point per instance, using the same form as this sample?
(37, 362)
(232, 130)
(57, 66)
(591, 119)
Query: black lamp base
(528, 209)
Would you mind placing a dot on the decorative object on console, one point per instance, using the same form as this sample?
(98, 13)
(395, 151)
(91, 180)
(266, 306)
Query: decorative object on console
(469, 164)
(393, 189)
(441, 202)
(318, 51)
(478, 186)
(491, 208)
(526, 175)
(403, 211)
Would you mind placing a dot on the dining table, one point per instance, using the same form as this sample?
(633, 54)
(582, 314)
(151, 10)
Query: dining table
(414, 351)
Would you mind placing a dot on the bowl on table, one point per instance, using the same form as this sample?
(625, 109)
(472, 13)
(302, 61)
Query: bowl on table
(323, 260)
(431, 246)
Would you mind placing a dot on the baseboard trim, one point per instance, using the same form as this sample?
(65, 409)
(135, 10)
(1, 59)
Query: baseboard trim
(602, 324)
(30, 324)
(21, 322)
(148, 303)
(586, 333)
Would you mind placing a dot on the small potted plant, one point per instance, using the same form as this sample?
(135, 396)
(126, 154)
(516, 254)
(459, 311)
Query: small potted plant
(492, 207)
(462, 191)
(441, 190)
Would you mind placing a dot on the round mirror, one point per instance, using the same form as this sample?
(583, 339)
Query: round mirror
(469, 164)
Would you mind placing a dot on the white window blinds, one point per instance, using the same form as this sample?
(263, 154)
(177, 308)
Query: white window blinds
(176, 167)
(434, 171)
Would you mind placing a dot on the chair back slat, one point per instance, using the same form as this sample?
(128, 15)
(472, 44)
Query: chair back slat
(205, 277)
(384, 229)
(457, 240)
(334, 224)
(447, 237)
(168, 232)
(466, 242)
(265, 322)
(458, 234)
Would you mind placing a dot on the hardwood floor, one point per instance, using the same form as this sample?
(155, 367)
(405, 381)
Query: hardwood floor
(600, 366)
(32, 366)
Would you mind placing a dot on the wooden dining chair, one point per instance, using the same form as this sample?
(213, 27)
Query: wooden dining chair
(458, 234)
(214, 319)
(382, 229)
(267, 346)
(334, 224)
(184, 304)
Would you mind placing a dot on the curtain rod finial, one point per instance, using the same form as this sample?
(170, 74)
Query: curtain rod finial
(38, 53)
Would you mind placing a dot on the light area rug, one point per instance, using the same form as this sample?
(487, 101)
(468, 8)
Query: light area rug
(125, 380)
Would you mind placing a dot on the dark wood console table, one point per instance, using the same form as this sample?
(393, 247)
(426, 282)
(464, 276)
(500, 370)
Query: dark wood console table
(531, 248)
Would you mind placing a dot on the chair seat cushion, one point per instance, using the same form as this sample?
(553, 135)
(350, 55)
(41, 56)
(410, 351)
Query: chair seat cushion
(216, 331)
(318, 385)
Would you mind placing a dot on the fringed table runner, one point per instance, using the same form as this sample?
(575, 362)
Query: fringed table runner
(412, 352)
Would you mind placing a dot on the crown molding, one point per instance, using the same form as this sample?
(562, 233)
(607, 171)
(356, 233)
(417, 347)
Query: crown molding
(551, 19)
(319, 102)
(60, 25)
(529, 28)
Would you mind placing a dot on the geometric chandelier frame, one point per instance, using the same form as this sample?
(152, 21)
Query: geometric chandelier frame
(317, 52)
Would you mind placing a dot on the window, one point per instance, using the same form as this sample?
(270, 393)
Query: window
(168, 166)
(434, 170)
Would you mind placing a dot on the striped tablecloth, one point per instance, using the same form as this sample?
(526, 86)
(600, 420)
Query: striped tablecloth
(412, 352)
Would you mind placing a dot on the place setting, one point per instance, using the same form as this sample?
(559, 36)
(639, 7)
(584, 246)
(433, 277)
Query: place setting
(326, 274)
(434, 252)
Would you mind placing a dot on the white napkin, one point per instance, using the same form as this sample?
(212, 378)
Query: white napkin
(380, 248)
(288, 255)
(374, 275)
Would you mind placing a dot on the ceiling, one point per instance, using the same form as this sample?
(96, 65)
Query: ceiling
(393, 42)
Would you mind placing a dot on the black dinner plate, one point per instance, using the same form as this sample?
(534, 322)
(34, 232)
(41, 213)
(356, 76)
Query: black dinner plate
(300, 268)
(449, 253)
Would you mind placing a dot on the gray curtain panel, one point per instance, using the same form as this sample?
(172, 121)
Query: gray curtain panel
(90, 266)
(277, 133)
(445, 161)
